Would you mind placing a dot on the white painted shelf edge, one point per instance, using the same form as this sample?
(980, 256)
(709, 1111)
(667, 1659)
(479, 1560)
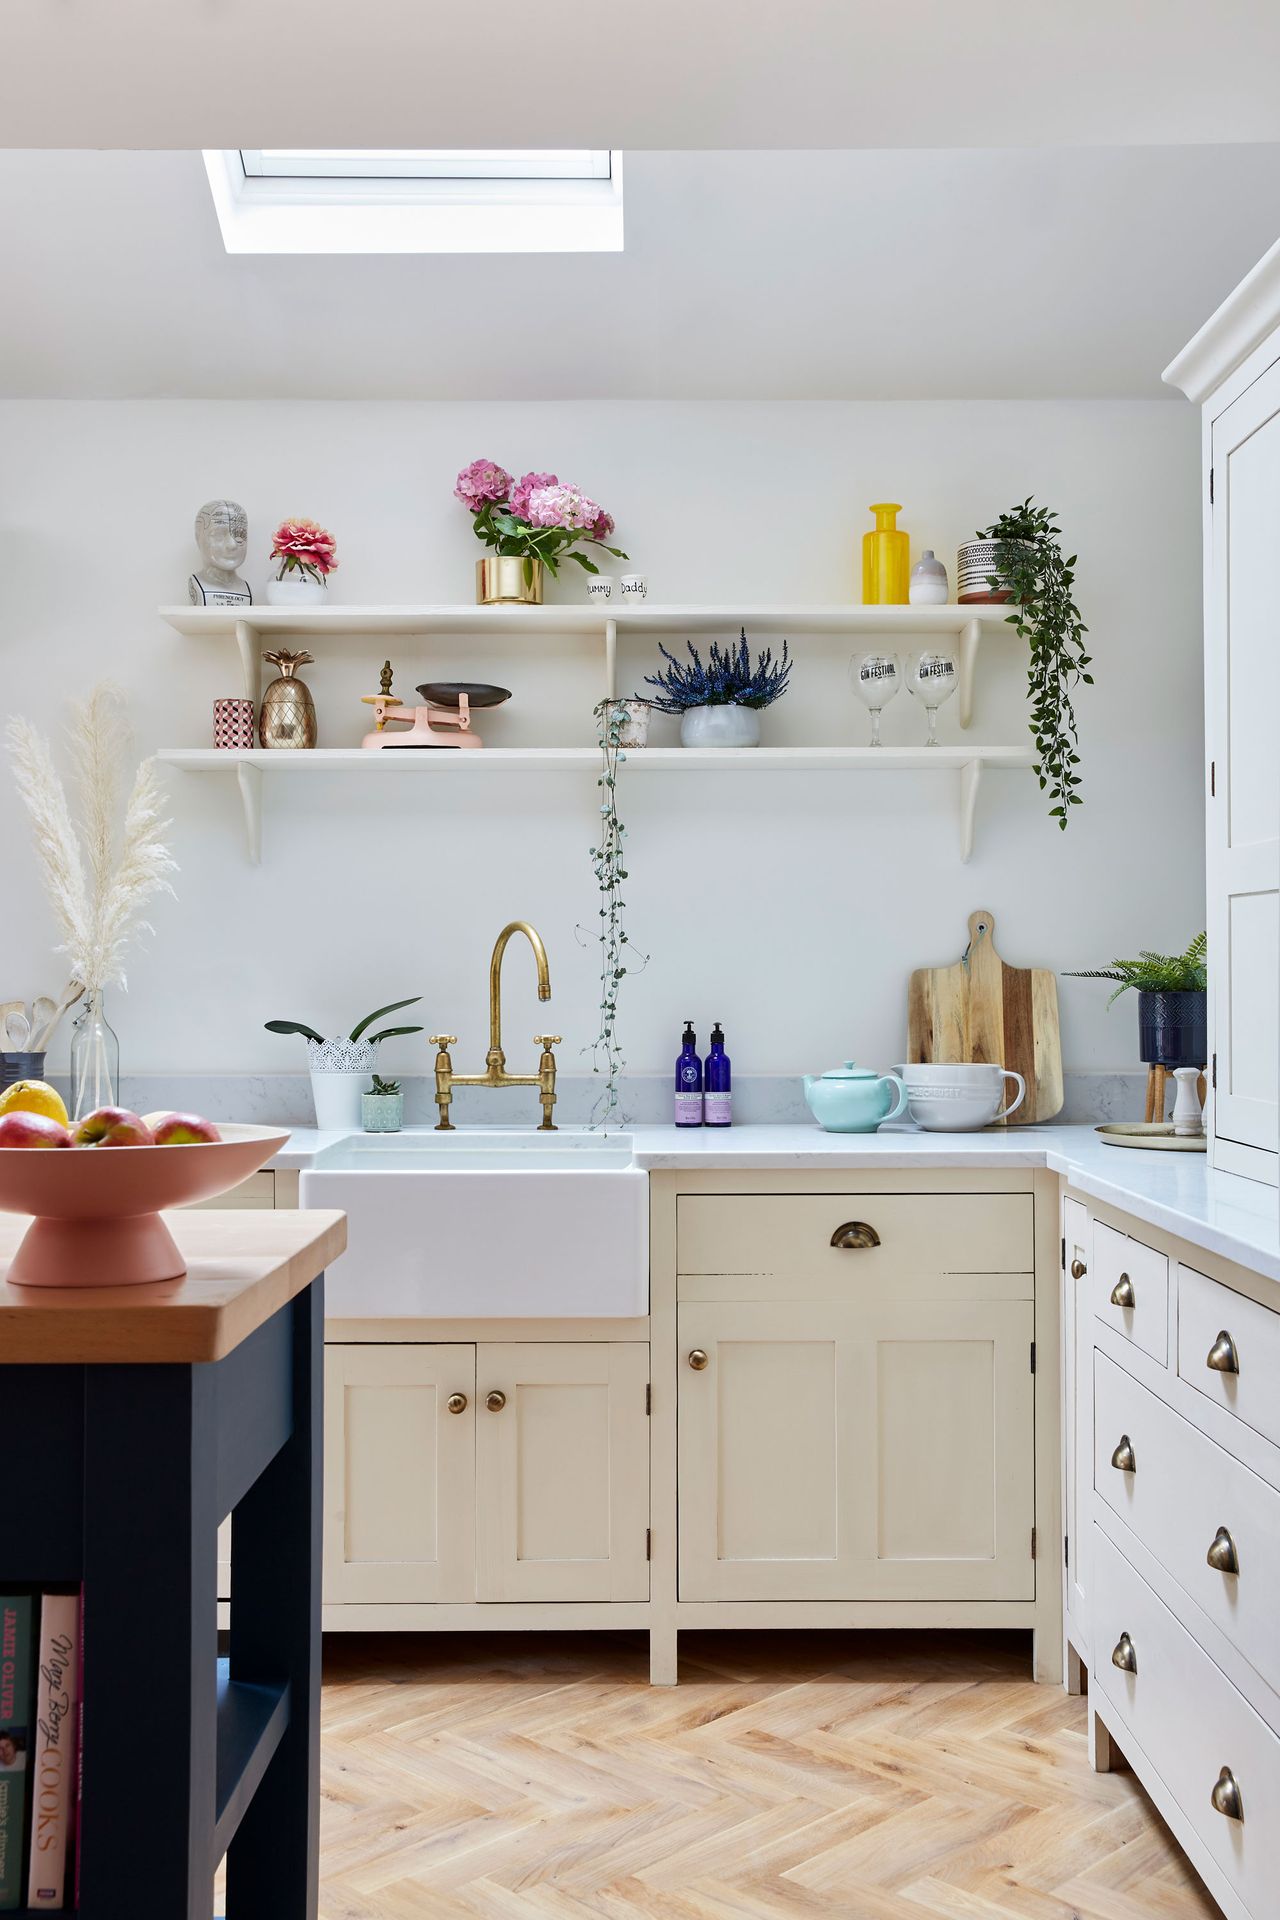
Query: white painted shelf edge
(249, 764)
(248, 626)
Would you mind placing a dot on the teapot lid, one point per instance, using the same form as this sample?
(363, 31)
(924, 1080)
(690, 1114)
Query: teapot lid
(850, 1072)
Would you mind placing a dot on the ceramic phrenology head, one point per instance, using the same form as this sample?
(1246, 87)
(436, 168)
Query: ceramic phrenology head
(222, 535)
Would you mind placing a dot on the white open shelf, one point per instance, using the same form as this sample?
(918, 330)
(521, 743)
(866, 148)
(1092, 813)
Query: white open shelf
(249, 627)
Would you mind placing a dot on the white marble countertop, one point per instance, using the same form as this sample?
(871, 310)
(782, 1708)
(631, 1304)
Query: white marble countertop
(1220, 1212)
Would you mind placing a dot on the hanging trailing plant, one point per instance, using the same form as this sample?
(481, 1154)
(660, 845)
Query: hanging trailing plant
(1040, 578)
(618, 957)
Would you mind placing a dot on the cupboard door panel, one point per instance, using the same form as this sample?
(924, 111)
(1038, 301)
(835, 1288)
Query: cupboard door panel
(1077, 1410)
(563, 1471)
(399, 1474)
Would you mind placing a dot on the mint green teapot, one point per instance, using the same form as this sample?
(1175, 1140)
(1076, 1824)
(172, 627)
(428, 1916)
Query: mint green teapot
(853, 1099)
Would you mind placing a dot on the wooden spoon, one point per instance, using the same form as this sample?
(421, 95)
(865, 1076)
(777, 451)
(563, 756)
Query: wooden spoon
(70, 994)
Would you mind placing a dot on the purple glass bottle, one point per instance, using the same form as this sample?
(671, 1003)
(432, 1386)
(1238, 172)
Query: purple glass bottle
(717, 1099)
(689, 1081)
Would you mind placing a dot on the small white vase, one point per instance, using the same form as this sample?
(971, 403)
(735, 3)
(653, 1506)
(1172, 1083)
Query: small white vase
(724, 726)
(296, 590)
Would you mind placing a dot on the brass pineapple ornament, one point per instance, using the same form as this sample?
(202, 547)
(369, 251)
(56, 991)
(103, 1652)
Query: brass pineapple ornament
(287, 717)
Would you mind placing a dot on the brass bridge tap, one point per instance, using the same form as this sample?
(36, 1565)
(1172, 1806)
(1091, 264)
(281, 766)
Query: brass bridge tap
(495, 1073)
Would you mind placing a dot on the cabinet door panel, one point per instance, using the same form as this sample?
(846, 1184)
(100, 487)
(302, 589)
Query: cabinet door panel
(399, 1474)
(856, 1452)
(563, 1471)
(1077, 1410)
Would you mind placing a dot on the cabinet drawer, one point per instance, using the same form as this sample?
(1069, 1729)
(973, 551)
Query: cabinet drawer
(1206, 1310)
(257, 1193)
(1190, 1721)
(773, 1245)
(1124, 1270)
(1182, 1489)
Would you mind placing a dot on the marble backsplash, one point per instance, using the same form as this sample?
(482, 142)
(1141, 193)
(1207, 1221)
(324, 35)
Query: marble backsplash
(285, 1098)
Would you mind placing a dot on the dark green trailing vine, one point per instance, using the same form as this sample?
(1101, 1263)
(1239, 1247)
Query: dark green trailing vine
(1041, 579)
(618, 956)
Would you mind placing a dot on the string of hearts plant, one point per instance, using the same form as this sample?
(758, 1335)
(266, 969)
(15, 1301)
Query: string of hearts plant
(1040, 578)
(618, 955)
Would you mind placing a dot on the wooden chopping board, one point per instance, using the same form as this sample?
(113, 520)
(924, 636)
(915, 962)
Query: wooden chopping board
(980, 1009)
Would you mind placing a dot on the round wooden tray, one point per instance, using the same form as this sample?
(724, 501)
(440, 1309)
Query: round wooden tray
(1143, 1133)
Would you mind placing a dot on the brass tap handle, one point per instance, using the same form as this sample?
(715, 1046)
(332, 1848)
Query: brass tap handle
(1122, 1294)
(1123, 1459)
(444, 1079)
(547, 1079)
(1225, 1798)
(1222, 1555)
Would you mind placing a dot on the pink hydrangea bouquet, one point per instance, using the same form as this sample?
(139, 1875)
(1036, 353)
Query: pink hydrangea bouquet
(302, 547)
(538, 517)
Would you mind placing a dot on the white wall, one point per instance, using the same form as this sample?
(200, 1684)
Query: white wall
(791, 907)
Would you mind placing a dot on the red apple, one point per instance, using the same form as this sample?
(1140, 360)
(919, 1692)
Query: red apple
(181, 1129)
(112, 1127)
(32, 1130)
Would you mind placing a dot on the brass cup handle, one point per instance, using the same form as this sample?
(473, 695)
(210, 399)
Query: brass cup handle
(699, 1359)
(1225, 1798)
(1078, 1269)
(1123, 1458)
(1222, 1356)
(1122, 1294)
(495, 1401)
(1123, 1655)
(855, 1234)
(457, 1403)
(1222, 1555)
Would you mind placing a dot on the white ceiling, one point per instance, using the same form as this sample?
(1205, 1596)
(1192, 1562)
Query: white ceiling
(847, 275)
(638, 73)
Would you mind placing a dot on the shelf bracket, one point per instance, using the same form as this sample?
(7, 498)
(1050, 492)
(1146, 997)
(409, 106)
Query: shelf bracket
(249, 779)
(970, 634)
(610, 659)
(970, 781)
(247, 642)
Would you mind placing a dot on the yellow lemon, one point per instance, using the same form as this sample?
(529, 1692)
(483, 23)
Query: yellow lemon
(33, 1096)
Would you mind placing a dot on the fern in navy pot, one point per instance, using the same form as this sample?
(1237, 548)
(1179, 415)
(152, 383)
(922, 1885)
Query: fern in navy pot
(719, 702)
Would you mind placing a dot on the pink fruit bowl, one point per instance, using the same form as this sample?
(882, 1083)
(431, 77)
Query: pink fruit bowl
(97, 1209)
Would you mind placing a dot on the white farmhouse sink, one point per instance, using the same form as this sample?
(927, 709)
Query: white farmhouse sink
(485, 1224)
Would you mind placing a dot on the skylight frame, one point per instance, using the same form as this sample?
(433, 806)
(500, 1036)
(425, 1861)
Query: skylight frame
(425, 164)
(374, 215)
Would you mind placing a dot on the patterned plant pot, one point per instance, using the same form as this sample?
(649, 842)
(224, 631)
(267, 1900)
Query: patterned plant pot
(233, 723)
(1173, 1029)
(340, 1074)
(382, 1112)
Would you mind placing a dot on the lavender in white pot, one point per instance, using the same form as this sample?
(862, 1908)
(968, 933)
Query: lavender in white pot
(340, 1069)
(719, 704)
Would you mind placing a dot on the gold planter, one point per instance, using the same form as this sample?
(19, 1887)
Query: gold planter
(501, 582)
(287, 717)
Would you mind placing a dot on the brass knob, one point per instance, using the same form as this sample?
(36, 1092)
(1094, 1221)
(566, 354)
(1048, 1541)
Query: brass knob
(1222, 1355)
(1222, 1555)
(1122, 1294)
(495, 1401)
(1122, 1459)
(457, 1403)
(698, 1360)
(1123, 1655)
(1225, 1798)
(1078, 1269)
(854, 1234)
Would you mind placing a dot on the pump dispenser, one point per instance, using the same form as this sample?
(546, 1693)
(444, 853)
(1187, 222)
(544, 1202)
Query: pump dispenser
(688, 1104)
(717, 1100)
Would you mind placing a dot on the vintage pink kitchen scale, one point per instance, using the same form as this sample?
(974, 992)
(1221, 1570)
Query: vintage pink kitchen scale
(444, 721)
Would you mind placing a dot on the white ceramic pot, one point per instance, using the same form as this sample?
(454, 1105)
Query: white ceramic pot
(726, 726)
(296, 590)
(340, 1075)
(959, 1099)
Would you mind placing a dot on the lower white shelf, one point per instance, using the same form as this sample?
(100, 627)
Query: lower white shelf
(249, 764)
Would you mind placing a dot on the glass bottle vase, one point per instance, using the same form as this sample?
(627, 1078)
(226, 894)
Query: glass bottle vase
(95, 1059)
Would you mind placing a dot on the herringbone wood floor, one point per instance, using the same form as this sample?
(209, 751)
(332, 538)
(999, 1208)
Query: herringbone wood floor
(895, 1777)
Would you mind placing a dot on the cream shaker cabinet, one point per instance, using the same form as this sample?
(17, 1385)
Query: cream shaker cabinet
(486, 1472)
(1077, 1430)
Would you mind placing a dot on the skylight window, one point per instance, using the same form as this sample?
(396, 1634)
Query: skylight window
(417, 200)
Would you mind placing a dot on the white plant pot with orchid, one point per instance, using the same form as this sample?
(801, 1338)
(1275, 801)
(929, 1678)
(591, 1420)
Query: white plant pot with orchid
(304, 556)
(531, 524)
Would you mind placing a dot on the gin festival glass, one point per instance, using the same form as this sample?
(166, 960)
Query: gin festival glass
(932, 678)
(876, 678)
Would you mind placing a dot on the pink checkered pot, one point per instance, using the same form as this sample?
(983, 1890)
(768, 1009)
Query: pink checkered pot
(233, 723)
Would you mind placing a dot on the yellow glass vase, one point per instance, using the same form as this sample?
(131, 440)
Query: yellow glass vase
(886, 559)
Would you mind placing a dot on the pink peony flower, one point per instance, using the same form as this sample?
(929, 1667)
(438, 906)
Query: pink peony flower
(305, 544)
(481, 484)
(563, 506)
(527, 485)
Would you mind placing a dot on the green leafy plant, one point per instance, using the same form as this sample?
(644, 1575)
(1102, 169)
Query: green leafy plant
(1031, 565)
(1156, 972)
(360, 1028)
(618, 956)
(383, 1087)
